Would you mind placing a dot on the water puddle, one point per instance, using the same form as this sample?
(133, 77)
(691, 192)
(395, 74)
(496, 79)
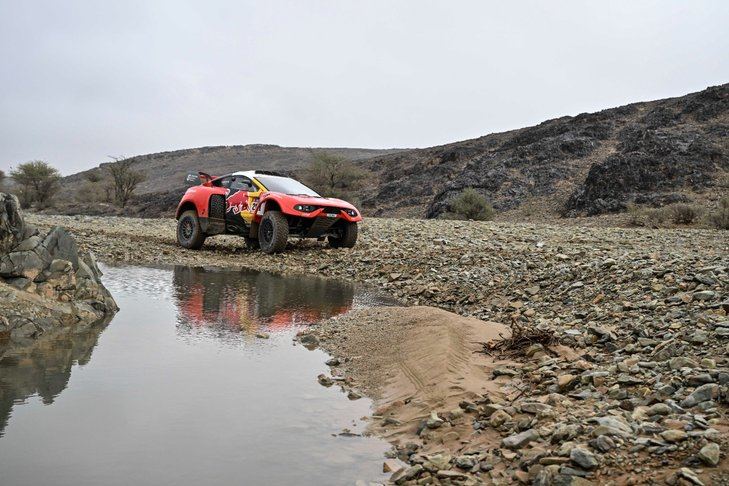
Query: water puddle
(178, 389)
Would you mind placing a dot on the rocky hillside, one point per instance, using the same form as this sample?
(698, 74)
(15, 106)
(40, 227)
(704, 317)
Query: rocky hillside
(45, 283)
(653, 153)
(165, 173)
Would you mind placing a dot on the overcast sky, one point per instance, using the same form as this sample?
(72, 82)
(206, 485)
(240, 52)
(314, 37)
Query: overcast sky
(81, 80)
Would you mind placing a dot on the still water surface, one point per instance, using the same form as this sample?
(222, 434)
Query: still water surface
(178, 390)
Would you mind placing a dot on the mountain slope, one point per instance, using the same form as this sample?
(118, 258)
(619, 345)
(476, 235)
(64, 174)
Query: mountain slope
(650, 153)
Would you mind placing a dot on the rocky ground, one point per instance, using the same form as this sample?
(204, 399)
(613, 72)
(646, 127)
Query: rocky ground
(642, 397)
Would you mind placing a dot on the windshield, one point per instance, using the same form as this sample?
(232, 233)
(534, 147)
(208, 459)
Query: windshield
(285, 185)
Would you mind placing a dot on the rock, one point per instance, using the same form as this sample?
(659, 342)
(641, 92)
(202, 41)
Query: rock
(46, 279)
(498, 418)
(309, 341)
(704, 295)
(690, 476)
(517, 441)
(701, 394)
(583, 458)
(465, 462)
(12, 224)
(438, 462)
(262, 335)
(434, 421)
(403, 475)
(324, 380)
(535, 408)
(671, 435)
(353, 395)
(565, 382)
(393, 466)
(333, 362)
(710, 454)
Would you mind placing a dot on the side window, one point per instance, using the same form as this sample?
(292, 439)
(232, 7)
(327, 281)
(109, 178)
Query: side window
(223, 182)
(242, 184)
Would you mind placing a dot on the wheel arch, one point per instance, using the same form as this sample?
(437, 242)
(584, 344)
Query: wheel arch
(186, 206)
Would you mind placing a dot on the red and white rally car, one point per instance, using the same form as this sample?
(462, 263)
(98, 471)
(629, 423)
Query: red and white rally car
(265, 208)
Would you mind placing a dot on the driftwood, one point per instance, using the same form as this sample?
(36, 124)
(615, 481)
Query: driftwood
(521, 339)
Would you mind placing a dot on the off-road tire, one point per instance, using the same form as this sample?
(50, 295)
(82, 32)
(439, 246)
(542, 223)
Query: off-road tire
(348, 238)
(189, 233)
(273, 232)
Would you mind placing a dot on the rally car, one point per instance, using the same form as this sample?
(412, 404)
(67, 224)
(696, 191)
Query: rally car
(265, 208)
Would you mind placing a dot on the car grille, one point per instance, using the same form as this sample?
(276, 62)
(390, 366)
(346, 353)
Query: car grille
(332, 210)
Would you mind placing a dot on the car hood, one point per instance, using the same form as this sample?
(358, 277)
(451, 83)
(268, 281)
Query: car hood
(316, 200)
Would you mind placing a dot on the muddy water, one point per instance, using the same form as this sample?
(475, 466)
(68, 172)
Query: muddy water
(178, 389)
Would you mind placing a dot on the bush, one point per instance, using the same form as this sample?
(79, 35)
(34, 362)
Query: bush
(470, 204)
(655, 218)
(635, 214)
(2, 180)
(333, 175)
(684, 213)
(125, 179)
(37, 182)
(720, 218)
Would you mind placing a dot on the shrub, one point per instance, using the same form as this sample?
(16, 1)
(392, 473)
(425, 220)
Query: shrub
(333, 175)
(684, 213)
(470, 204)
(37, 182)
(720, 218)
(2, 180)
(125, 179)
(635, 214)
(655, 218)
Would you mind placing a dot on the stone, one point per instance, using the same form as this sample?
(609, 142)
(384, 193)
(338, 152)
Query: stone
(406, 474)
(535, 408)
(583, 458)
(704, 295)
(700, 394)
(517, 441)
(324, 380)
(434, 421)
(465, 462)
(309, 341)
(674, 435)
(690, 476)
(710, 454)
(393, 466)
(498, 418)
(565, 382)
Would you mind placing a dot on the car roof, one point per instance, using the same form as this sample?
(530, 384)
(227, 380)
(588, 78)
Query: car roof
(253, 173)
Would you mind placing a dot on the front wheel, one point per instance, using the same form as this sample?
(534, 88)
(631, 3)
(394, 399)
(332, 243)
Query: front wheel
(346, 238)
(189, 233)
(273, 232)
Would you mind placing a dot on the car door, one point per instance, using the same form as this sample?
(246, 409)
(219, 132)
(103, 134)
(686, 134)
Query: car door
(242, 192)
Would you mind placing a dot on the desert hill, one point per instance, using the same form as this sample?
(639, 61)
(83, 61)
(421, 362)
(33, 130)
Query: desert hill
(650, 153)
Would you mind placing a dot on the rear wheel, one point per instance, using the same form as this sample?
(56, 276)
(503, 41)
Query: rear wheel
(189, 233)
(273, 232)
(347, 237)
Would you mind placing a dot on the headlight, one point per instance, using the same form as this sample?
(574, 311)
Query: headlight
(305, 208)
(352, 212)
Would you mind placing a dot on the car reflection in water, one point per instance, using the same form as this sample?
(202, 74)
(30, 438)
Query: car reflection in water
(249, 301)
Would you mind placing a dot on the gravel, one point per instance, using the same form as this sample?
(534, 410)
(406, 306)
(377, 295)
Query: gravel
(640, 397)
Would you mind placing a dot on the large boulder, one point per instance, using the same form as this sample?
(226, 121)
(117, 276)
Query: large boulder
(45, 282)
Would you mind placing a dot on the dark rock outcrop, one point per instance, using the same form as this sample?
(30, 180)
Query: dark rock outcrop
(653, 153)
(45, 282)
